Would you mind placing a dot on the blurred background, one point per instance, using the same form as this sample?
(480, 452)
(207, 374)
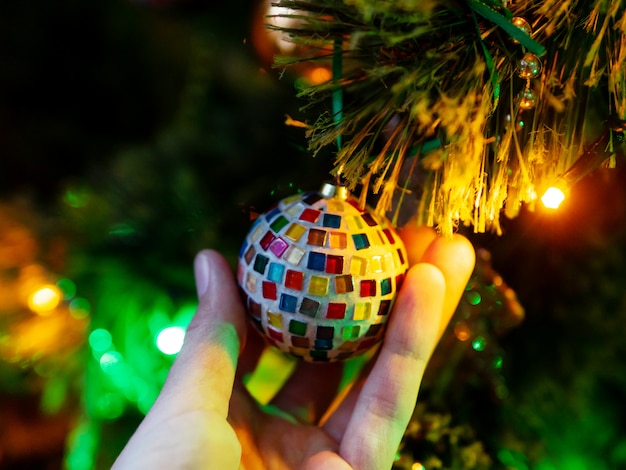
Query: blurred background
(134, 133)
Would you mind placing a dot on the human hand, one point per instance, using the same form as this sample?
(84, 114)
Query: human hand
(205, 418)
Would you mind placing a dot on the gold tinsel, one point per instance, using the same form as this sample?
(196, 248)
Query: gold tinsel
(439, 81)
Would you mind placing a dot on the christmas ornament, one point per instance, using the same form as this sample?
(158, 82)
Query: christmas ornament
(320, 275)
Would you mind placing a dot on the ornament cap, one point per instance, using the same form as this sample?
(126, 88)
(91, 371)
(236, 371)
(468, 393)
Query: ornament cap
(330, 190)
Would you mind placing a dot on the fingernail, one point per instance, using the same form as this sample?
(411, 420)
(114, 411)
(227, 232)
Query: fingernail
(201, 272)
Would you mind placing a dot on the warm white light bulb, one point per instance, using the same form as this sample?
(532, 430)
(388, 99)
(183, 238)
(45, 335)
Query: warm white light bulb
(170, 340)
(553, 197)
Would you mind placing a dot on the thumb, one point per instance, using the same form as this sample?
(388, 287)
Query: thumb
(187, 423)
(204, 371)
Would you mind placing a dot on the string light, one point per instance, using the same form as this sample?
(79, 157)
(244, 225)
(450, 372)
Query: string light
(592, 158)
(45, 299)
(553, 197)
(170, 340)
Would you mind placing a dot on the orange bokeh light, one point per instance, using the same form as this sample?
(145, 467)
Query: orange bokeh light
(45, 299)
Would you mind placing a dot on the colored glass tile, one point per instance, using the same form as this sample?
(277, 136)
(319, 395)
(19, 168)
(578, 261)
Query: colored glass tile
(369, 219)
(292, 198)
(249, 256)
(267, 239)
(275, 272)
(389, 235)
(336, 310)
(399, 281)
(323, 344)
(380, 238)
(317, 261)
(297, 328)
(300, 352)
(385, 306)
(279, 223)
(269, 290)
(318, 285)
(272, 213)
(362, 311)
(294, 209)
(300, 342)
(354, 223)
(360, 241)
(376, 264)
(343, 284)
(310, 215)
(334, 264)
(294, 279)
(348, 346)
(275, 319)
(374, 330)
(350, 332)
(244, 246)
(331, 220)
(338, 240)
(257, 233)
(335, 206)
(388, 261)
(254, 308)
(257, 324)
(385, 286)
(311, 198)
(367, 343)
(288, 303)
(293, 255)
(320, 356)
(358, 266)
(368, 288)
(325, 332)
(317, 237)
(401, 256)
(309, 307)
(355, 203)
(251, 281)
(260, 262)
(295, 232)
(279, 246)
(275, 335)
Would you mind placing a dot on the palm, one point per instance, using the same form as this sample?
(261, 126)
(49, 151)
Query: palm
(205, 418)
(285, 439)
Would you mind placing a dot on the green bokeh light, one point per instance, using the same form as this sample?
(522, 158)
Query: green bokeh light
(100, 340)
(68, 288)
(479, 343)
(473, 297)
(497, 362)
(110, 361)
(77, 197)
(80, 308)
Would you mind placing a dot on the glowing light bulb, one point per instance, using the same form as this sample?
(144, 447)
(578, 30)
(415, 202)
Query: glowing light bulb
(45, 299)
(553, 197)
(170, 340)
(462, 331)
(320, 75)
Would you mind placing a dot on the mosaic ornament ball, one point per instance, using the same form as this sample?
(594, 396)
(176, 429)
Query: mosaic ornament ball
(320, 275)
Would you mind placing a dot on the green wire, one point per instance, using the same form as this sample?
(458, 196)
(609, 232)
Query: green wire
(338, 91)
